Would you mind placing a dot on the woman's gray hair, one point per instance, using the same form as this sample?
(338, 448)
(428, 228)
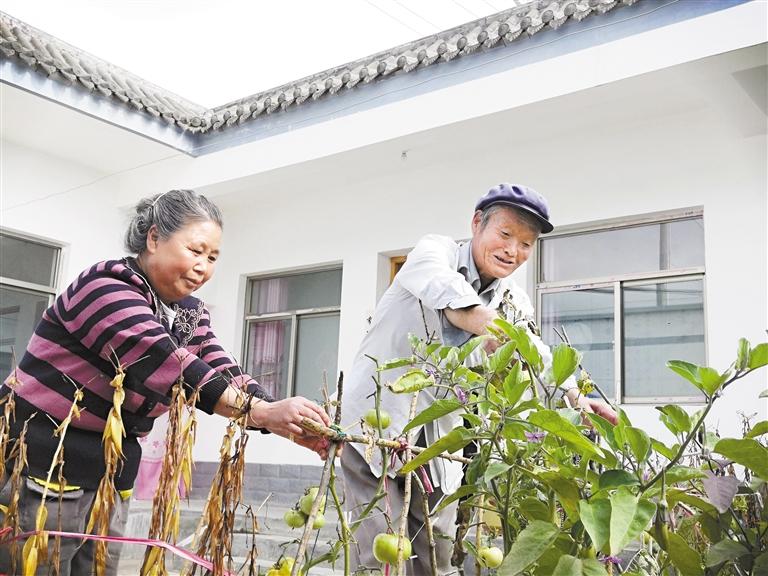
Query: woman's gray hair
(169, 212)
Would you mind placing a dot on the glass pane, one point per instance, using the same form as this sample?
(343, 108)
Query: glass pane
(588, 319)
(652, 247)
(20, 311)
(317, 350)
(269, 350)
(27, 261)
(662, 321)
(295, 292)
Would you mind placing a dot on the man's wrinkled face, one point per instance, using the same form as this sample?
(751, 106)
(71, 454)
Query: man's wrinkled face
(502, 245)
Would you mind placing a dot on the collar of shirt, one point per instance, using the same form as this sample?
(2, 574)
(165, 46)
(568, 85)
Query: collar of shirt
(466, 267)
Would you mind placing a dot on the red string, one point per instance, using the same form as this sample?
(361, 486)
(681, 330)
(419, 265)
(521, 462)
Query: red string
(180, 552)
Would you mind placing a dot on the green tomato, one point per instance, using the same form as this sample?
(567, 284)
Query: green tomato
(385, 548)
(373, 421)
(286, 565)
(319, 522)
(306, 501)
(294, 518)
(490, 556)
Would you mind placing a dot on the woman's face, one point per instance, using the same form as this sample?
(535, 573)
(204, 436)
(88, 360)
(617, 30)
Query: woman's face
(180, 264)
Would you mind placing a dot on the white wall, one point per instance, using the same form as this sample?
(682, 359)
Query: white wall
(62, 201)
(596, 155)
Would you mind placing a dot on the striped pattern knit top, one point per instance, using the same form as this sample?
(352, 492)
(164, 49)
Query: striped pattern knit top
(110, 314)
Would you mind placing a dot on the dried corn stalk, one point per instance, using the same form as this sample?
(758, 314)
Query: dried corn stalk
(9, 414)
(19, 456)
(40, 540)
(214, 534)
(103, 502)
(177, 467)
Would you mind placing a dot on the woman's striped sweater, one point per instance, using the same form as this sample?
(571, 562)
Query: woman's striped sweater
(109, 315)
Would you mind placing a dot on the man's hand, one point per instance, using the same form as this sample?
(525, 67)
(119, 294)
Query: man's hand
(577, 400)
(476, 321)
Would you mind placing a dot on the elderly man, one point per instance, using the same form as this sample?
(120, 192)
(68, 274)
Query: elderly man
(449, 290)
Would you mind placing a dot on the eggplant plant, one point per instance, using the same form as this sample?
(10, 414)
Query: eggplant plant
(568, 493)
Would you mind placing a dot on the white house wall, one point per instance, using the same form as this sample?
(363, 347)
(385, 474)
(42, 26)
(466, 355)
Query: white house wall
(62, 201)
(606, 132)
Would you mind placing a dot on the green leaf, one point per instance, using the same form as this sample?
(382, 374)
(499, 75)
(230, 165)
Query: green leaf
(566, 488)
(530, 544)
(473, 419)
(592, 567)
(437, 409)
(411, 381)
(572, 566)
(724, 551)
(525, 346)
(629, 517)
(596, 517)
(534, 509)
(683, 474)
(455, 440)
(553, 423)
(514, 385)
(495, 469)
(639, 443)
(397, 363)
(663, 449)
(758, 356)
(742, 354)
(605, 428)
(747, 452)
(685, 369)
(758, 429)
(468, 347)
(466, 490)
(711, 379)
(708, 380)
(685, 558)
(479, 463)
(675, 495)
(614, 478)
(501, 358)
(761, 564)
(675, 418)
(564, 361)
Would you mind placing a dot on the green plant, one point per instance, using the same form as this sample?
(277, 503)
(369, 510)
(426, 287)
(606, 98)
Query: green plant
(570, 498)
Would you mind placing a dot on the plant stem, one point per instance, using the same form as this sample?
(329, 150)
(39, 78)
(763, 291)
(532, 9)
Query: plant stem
(406, 492)
(325, 479)
(335, 436)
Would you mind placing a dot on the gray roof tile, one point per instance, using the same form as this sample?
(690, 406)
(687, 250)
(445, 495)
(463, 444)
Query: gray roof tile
(64, 62)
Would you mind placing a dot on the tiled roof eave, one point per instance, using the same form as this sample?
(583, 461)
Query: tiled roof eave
(66, 63)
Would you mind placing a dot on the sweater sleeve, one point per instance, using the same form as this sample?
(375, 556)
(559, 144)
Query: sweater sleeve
(215, 355)
(111, 316)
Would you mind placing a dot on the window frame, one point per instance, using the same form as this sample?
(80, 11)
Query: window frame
(617, 282)
(49, 289)
(292, 315)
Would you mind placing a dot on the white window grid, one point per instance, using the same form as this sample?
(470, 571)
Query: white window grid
(620, 281)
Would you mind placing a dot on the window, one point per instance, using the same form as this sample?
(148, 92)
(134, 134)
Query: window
(630, 296)
(292, 332)
(28, 275)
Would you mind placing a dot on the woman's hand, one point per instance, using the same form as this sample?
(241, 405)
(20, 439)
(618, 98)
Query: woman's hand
(284, 417)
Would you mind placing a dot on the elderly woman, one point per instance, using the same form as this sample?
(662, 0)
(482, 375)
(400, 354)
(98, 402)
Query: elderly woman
(138, 311)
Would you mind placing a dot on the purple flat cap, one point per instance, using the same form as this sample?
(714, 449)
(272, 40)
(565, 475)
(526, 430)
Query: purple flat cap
(520, 197)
